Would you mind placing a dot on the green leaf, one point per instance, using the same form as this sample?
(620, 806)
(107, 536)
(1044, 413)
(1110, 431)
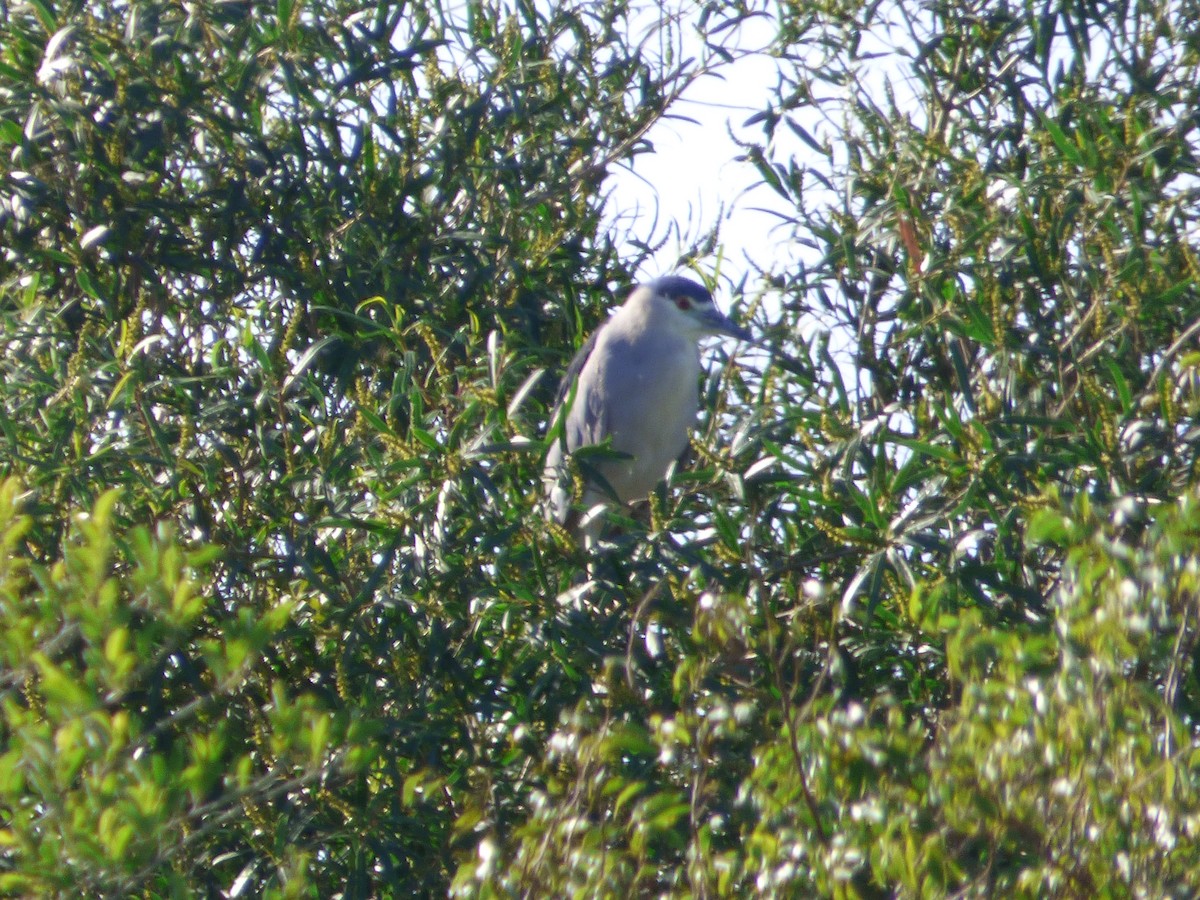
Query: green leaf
(1122, 386)
(86, 284)
(425, 438)
(11, 132)
(926, 448)
(1066, 146)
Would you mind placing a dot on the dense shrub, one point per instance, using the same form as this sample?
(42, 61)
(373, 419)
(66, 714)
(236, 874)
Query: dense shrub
(280, 290)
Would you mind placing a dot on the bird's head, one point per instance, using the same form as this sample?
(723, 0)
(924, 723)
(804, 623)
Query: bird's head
(689, 307)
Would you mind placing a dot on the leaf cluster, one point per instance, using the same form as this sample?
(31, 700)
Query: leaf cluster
(279, 288)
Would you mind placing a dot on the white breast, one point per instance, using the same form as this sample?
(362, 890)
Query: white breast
(648, 385)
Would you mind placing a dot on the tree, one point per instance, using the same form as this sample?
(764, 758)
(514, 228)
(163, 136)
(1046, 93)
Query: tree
(281, 284)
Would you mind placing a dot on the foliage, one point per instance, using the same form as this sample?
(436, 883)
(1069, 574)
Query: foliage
(278, 289)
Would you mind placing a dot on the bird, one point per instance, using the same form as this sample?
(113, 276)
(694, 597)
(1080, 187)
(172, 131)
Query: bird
(636, 381)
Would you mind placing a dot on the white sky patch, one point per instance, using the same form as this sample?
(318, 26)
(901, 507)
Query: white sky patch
(693, 177)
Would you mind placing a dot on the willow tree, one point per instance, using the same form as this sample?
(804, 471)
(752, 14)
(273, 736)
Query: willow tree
(281, 288)
(942, 638)
(277, 283)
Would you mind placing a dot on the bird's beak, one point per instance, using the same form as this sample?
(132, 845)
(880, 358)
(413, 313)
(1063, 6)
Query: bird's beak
(722, 324)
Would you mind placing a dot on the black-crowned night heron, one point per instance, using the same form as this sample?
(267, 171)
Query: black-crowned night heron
(636, 380)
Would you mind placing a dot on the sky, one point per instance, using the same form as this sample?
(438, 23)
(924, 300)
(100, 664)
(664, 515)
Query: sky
(694, 178)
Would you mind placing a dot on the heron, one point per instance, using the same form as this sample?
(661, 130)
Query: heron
(634, 381)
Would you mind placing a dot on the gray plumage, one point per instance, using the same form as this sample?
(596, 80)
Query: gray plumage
(634, 380)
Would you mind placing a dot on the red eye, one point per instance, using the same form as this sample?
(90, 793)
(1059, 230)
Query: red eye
(683, 303)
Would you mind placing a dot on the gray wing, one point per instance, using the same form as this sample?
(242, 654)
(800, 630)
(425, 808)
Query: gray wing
(575, 367)
(585, 420)
(582, 425)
